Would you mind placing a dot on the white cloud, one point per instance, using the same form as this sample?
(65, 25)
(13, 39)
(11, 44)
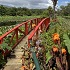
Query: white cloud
(64, 3)
(27, 3)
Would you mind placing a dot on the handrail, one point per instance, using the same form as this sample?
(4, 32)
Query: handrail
(45, 21)
(16, 30)
(4, 35)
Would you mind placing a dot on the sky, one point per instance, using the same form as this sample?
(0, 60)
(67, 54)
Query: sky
(35, 4)
(63, 2)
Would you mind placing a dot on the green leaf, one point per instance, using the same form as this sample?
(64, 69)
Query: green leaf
(48, 56)
(65, 36)
(67, 42)
(0, 33)
(5, 46)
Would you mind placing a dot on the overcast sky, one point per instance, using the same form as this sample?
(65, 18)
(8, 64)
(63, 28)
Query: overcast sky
(31, 3)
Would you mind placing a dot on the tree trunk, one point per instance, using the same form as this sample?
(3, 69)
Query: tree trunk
(54, 10)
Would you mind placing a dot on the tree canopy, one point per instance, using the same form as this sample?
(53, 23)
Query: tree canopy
(13, 11)
(64, 10)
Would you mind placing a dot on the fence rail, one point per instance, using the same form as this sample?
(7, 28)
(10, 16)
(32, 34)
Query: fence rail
(16, 34)
(43, 24)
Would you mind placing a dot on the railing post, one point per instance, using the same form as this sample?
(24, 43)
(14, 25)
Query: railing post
(37, 33)
(37, 21)
(47, 21)
(1, 41)
(26, 29)
(41, 19)
(28, 44)
(16, 32)
(41, 27)
(31, 24)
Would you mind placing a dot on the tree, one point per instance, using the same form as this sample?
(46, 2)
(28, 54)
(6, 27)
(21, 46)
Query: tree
(68, 9)
(13, 11)
(54, 4)
(45, 13)
(50, 10)
(2, 10)
(65, 10)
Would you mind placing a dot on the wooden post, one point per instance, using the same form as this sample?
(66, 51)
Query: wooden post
(37, 33)
(41, 27)
(37, 21)
(28, 43)
(16, 32)
(47, 21)
(31, 24)
(1, 41)
(11, 38)
(26, 29)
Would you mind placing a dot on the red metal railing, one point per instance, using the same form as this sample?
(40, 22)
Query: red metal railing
(43, 24)
(15, 35)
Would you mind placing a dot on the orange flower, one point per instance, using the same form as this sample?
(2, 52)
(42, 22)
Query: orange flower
(63, 51)
(56, 37)
(23, 67)
(33, 25)
(55, 49)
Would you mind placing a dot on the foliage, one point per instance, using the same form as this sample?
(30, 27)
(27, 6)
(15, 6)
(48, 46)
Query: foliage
(67, 17)
(0, 33)
(62, 28)
(2, 10)
(5, 46)
(13, 11)
(48, 56)
(2, 61)
(67, 41)
(16, 18)
(4, 29)
(47, 12)
(46, 40)
(64, 10)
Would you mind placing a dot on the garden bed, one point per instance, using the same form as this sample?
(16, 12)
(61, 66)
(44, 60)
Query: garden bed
(56, 42)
